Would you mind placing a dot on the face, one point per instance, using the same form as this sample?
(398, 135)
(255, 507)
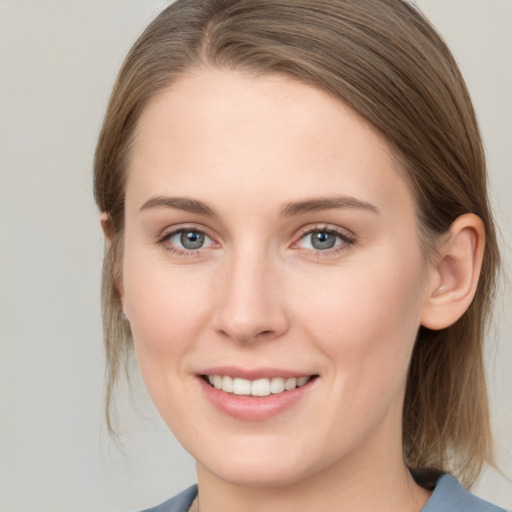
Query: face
(272, 277)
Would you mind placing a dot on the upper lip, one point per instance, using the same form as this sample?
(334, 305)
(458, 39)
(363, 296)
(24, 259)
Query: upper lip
(254, 373)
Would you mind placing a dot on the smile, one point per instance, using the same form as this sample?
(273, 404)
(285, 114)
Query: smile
(257, 387)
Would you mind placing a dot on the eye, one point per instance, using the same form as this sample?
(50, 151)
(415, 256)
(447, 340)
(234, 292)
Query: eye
(184, 240)
(323, 240)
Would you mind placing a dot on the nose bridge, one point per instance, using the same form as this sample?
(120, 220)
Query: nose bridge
(250, 305)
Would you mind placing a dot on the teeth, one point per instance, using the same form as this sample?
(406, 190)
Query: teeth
(258, 387)
(241, 386)
(301, 381)
(227, 384)
(277, 385)
(217, 381)
(290, 383)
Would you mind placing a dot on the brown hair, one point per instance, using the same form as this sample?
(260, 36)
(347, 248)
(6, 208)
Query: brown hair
(385, 61)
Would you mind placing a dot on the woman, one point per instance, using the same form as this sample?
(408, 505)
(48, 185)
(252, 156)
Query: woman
(301, 250)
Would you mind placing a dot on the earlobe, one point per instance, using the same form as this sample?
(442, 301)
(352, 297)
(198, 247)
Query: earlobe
(455, 274)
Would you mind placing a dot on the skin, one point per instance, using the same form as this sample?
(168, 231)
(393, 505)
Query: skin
(258, 295)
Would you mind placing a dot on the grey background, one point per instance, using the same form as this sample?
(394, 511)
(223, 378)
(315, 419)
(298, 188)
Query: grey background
(58, 60)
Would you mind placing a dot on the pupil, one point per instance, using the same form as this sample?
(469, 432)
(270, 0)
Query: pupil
(192, 239)
(322, 240)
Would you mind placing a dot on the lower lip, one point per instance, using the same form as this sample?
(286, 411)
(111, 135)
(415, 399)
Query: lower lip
(252, 408)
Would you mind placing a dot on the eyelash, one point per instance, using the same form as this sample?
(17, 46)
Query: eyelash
(187, 253)
(346, 240)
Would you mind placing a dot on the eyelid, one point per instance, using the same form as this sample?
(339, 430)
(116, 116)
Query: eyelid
(346, 235)
(187, 226)
(348, 238)
(171, 231)
(330, 228)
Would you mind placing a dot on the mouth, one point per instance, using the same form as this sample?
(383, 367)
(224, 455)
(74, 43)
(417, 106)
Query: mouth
(256, 394)
(257, 387)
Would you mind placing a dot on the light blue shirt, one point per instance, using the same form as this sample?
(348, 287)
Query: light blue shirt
(448, 496)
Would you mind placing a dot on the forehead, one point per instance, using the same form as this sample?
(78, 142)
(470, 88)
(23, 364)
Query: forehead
(213, 131)
(242, 103)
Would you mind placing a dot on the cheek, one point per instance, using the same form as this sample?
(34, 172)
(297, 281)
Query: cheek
(365, 319)
(166, 306)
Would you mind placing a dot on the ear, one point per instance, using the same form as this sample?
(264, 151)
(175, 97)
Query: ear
(455, 275)
(106, 226)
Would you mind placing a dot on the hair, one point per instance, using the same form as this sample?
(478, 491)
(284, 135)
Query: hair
(385, 61)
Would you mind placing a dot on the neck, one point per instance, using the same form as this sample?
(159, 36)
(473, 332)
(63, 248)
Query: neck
(375, 480)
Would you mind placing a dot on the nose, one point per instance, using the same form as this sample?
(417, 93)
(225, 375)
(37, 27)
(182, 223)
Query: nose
(251, 302)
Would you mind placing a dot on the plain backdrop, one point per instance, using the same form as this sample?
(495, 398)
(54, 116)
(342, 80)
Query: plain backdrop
(58, 61)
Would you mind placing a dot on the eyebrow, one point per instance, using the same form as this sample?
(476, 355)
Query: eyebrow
(290, 209)
(179, 203)
(325, 203)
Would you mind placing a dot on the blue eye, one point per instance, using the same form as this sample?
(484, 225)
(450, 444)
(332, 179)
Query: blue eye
(323, 240)
(189, 239)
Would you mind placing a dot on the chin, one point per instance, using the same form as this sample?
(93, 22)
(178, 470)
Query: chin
(258, 474)
(265, 466)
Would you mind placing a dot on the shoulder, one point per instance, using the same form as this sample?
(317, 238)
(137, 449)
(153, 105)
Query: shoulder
(450, 496)
(180, 503)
